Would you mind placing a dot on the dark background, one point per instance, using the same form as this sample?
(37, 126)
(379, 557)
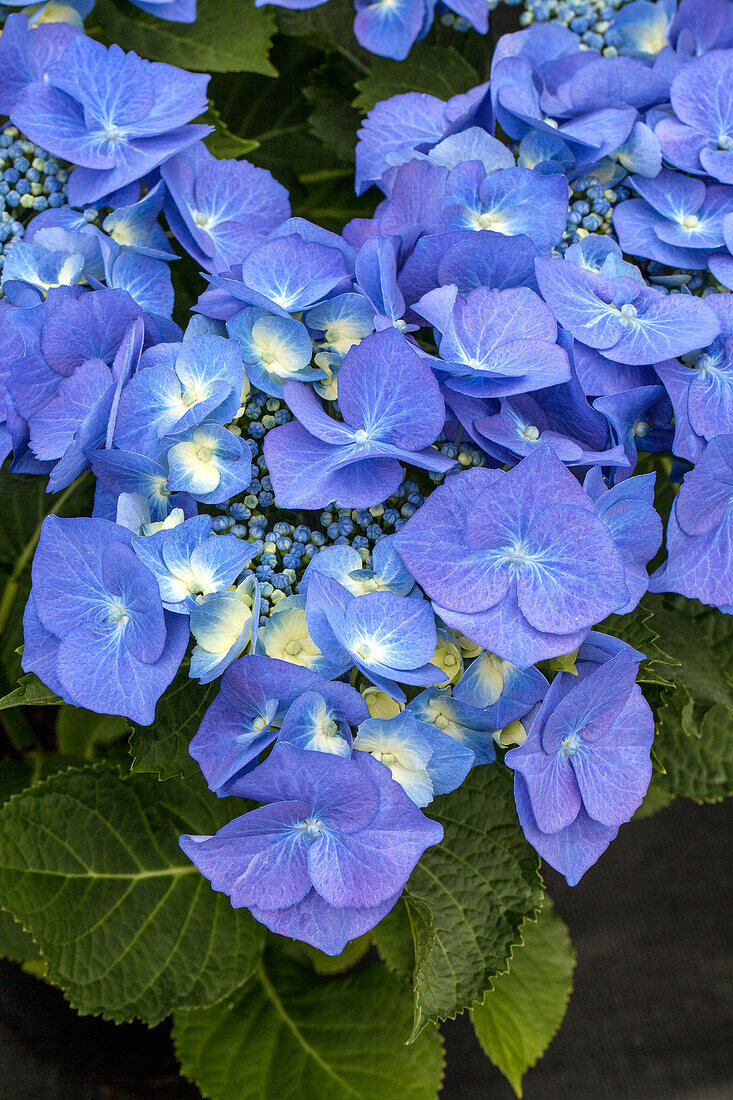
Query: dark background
(651, 1015)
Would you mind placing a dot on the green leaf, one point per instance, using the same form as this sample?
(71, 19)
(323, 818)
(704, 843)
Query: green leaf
(30, 692)
(229, 36)
(393, 940)
(695, 765)
(468, 896)
(291, 1036)
(15, 944)
(701, 639)
(327, 28)
(639, 629)
(162, 749)
(438, 70)
(15, 775)
(521, 1014)
(332, 119)
(79, 731)
(90, 865)
(223, 143)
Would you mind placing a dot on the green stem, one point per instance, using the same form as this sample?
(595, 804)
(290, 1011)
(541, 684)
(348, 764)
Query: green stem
(353, 59)
(326, 174)
(13, 583)
(280, 132)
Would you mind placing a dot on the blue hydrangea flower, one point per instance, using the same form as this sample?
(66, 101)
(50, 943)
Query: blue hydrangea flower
(507, 201)
(274, 349)
(470, 726)
(178, 387)
(519, 562)
(209, 463)
(29, 272)
(386, 573)
(295, 268)
(522, 425)
(702, 391)
(642, 27)
(27, 54)
(501, 690)
(327, 856)
(223, 625)
(395, 128)
(69, 333)
(218, 209)
(113, 114)
(188, 561)
(699, 564)
(389, 638)
(698, 137)
(263, 700)
(392, 411)
(134, 225)
(424, 760)
(322, 718)
(641, 420)
(495, 342)
(678, 221)
(585, 766)
(702, 25)
(95, 629)
(286, 637)
(243, 719)
(628, 511)
(620, 316)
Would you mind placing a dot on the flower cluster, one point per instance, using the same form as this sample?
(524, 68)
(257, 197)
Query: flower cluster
(382, 474)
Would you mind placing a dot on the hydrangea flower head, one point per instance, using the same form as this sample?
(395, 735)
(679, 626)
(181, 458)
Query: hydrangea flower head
(326, 856)
(585, 766)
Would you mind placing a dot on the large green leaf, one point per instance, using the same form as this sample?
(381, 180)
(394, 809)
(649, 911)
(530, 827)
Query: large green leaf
(90, 864)
(468, 896)
(228, 36)
(15, 944)
(162, 749)
(696, 757)
(521, 1014)
(290, 1035)
(437, 70)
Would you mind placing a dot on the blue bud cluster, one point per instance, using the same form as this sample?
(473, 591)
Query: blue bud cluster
(588, 19)
(591, 208)
(30, 181)
(284, 542)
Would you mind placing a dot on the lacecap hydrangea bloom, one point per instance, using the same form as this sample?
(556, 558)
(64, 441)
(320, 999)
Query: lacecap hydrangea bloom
(377, 476)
